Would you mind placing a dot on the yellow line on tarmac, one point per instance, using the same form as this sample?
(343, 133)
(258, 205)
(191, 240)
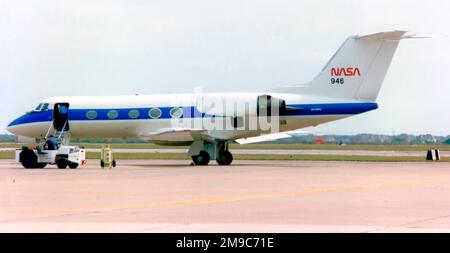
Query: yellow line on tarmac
(226, 199)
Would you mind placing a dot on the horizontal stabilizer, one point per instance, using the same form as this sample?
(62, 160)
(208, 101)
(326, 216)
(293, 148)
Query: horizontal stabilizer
(392, 35)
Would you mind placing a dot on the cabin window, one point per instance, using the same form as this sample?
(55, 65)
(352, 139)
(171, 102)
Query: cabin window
(91, 114)
(113, 114)
(176, 112)
(133, 114)
(155, 113)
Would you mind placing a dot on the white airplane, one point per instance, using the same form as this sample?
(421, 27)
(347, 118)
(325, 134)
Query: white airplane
(347, 85)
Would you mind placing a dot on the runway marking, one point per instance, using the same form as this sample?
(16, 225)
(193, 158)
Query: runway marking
(220, 199)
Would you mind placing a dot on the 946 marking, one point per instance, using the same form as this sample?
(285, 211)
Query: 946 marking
(337, 80)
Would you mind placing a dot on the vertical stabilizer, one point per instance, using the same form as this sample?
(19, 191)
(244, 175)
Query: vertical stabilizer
(356, 70)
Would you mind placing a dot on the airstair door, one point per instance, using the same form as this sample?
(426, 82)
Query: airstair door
(61, 117)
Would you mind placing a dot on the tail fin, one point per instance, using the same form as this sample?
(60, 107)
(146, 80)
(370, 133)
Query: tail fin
(357, 69)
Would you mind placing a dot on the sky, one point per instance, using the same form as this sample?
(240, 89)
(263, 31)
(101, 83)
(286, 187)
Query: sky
(51, 48)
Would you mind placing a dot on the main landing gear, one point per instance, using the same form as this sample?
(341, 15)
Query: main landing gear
(224, 157)
(202, 152)
(201, 159)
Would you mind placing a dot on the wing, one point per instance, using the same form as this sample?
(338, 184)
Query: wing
(269, 137)
(188, 135)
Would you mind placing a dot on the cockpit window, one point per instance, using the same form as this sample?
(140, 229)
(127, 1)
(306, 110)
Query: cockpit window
(38, 108)
(44, 107)
(41, 107)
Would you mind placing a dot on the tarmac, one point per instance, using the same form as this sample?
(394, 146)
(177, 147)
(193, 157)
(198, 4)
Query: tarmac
(387, 153)
(248, 196)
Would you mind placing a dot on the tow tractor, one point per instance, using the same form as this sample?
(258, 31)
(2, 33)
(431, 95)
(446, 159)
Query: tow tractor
(63, 155)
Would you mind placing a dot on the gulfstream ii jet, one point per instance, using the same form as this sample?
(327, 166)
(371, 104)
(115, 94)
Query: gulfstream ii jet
(348, 85)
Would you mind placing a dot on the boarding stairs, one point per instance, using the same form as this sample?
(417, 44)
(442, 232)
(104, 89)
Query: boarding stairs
(62, 137)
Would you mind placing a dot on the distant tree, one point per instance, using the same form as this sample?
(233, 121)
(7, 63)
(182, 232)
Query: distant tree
(8, 138)
(446, 142)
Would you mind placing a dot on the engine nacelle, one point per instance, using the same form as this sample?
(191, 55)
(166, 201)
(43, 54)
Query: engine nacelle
(270, 106)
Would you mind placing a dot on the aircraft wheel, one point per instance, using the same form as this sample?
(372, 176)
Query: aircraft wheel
(73, 165)
(201, 159)
(28, 159)
(224, 158)
(102, 164)
(61, 163)
(114, 163)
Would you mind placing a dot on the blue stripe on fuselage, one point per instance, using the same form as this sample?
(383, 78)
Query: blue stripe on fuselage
(329, 109)
(102, 114)
(33, 117)
(192, 112)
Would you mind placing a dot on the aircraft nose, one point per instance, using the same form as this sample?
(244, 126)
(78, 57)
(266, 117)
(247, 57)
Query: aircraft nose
(12, 126)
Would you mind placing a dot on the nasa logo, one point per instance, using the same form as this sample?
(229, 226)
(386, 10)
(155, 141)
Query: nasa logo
(345, 71)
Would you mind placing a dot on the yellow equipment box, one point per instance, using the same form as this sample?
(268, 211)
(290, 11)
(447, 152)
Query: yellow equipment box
(106, 157)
